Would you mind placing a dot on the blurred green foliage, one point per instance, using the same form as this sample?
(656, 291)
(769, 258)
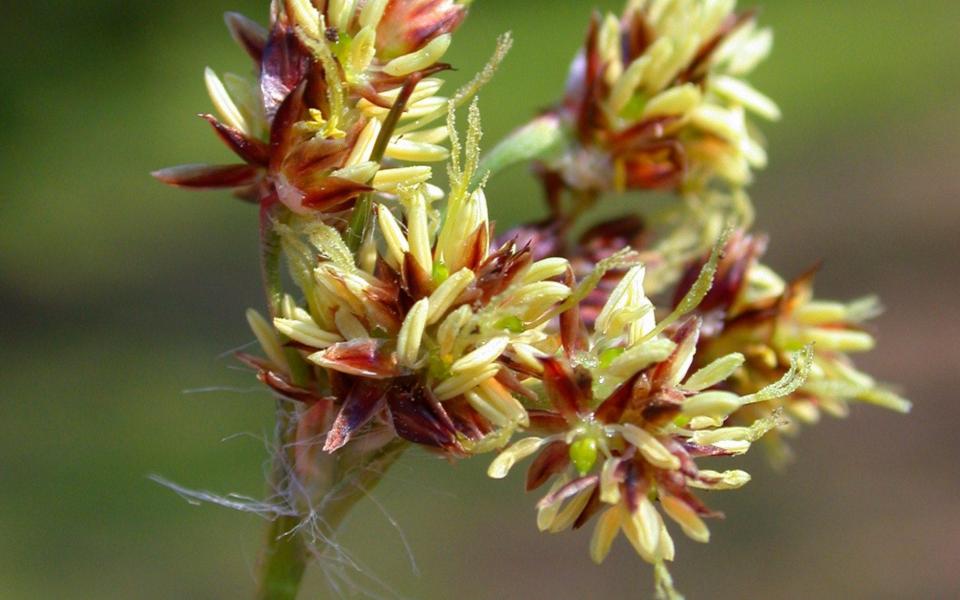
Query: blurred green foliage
(119, 294)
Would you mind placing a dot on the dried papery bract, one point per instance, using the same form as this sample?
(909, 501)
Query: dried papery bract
(409, 323)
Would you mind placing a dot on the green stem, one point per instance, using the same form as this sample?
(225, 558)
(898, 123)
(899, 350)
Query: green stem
(582, 203)
(283, 561)
(370, 470)
(284, 557)
(270, 261)
(285, 553)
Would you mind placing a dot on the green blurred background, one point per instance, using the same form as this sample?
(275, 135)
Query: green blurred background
(120, 297)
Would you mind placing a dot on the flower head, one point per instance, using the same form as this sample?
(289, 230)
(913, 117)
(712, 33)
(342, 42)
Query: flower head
(753, 311)
(314, 129)
(417, 330)
(624, 422)
(657, 99)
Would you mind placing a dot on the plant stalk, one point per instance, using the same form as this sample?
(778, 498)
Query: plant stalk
(284, 556)
(286, 552)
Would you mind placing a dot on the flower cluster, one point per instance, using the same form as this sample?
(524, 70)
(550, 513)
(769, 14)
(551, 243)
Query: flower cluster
(416, 332)
(754, 312)
(656, 99)
(412, 324)
(624, 421)
(310, 127)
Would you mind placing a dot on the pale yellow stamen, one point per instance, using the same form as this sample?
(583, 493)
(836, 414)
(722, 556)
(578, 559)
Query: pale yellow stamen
(605, 532)
(224, 104)
(349, 325)
(744, 94)
(487, 410)
(674, 101)
(571, 511)
(715, 372)
(340, 11)
(640, 357)
(650, 447)
(396, 241)
(537, 297)
(388, 180)
(501, 465)
(428, 136)
(686, 517)
(546, 515)
(362, 51)
(363, 147)
(306, 333)
(418, 232)
(643, 530)
(528, 356)
(306, 16)
(627, 84)
(727, 480)
(547, 268)
(408, 150)
(627, 305)
(841, 340)
(360, 172)
(372, 12)
(411, 333)
(482, 356)
(609, 487)
(463, 382)
(498, 397)
(711, 404)
(419, 60)
(725, 123)
(444, 296)
(267, 338)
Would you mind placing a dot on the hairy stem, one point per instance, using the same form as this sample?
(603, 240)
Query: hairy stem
(284, 560)
(286, 550)
(359, 479)
(270, 260)
(284, 557)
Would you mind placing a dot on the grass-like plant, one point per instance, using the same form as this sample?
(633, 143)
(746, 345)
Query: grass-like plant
(617, 354)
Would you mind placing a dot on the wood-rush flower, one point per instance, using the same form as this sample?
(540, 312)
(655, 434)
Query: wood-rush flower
(419, 333)
(314, 128)
(753, 311)
(625, 423)
(658, 100)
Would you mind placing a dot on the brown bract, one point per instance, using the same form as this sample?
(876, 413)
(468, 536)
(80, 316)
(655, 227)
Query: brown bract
(408, 25)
